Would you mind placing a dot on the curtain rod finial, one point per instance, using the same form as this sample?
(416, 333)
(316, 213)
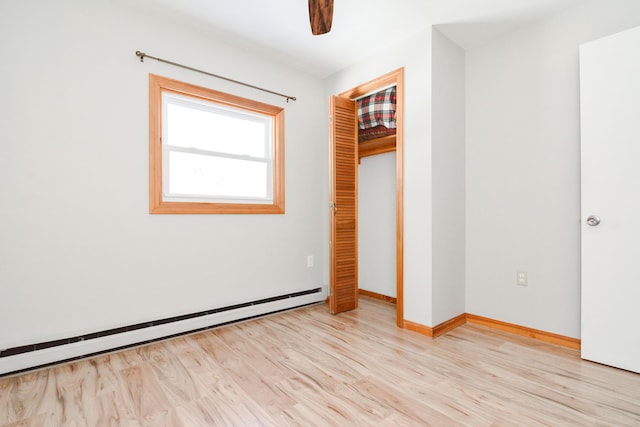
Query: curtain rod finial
(141, 55)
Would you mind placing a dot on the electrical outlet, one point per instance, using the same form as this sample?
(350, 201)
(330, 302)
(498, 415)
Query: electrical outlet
(522, 278)
(309, 261)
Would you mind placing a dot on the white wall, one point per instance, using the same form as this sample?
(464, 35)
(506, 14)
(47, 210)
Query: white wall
(448, 178)
(377, 224)
(79, 251)
(522, 168)
(414, 54)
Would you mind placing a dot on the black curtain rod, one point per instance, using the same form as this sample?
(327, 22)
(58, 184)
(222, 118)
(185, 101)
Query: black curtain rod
(143, 55)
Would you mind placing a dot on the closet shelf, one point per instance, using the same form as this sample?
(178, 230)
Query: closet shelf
(372, 147)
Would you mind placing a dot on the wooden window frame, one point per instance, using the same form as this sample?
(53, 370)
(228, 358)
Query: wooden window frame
(158, 85)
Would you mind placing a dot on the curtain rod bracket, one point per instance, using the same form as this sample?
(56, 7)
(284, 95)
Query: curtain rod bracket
(142, 55)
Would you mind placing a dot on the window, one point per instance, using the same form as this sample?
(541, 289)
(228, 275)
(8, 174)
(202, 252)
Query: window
(211, 152)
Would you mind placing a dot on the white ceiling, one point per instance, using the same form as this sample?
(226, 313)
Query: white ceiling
(280, 28)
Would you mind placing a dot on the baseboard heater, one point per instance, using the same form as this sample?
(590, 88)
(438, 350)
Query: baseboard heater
(17, 359)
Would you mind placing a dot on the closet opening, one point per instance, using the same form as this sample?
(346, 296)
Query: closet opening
(378, 185)
(376, 146)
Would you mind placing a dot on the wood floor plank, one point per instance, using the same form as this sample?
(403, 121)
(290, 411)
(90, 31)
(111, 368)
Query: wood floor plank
(210, 411)
(150, 403)
(76, 385)
(307, 367)
(242, 372)
(31, 395)
(176, 380)
(36, 421)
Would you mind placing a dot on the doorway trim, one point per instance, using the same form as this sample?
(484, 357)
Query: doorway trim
(392, 78)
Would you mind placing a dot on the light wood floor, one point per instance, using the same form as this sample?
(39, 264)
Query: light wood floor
(308, 368)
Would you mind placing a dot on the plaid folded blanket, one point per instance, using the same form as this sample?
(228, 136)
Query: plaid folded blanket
(378, 109)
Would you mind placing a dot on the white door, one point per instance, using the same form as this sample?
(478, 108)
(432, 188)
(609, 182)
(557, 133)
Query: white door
(610, 147)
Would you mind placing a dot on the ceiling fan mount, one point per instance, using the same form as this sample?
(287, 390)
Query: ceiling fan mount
(320, 16)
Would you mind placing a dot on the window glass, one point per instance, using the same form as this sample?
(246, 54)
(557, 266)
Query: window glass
(210, 176)
(193, 125)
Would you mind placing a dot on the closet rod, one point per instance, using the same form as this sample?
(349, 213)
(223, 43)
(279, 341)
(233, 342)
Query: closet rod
(143, 55)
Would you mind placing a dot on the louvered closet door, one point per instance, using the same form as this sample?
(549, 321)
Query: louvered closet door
(344, 199)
